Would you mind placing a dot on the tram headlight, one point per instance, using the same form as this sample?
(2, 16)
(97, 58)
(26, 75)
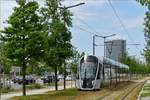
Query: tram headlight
(92, 82)
(81, 82)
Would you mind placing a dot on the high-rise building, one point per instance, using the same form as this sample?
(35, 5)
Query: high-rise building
(115, 49)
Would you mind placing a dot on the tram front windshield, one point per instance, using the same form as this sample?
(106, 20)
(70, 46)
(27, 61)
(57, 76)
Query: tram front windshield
(88, 70)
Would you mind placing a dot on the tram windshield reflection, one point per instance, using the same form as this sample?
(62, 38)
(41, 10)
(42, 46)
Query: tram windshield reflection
(88, 70)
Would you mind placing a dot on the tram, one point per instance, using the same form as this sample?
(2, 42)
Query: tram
(93, 71)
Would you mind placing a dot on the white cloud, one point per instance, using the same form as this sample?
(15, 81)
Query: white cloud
(123, 37)
(6, 8)
(130, 22)
(87, 2)
(134, 22)
(81, 11)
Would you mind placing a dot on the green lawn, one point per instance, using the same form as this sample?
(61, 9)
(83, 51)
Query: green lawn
(52, 95)
(146, 90)
(147, 85)
(29, 87)
(6, 90)
(145, 94)
(34, 86)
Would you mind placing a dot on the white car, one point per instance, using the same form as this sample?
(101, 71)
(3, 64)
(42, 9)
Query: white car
(68, 78)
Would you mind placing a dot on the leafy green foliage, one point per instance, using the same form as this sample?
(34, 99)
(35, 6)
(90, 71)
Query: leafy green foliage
(75, 61)
(58, 20)
(5, 63)
(146, 29)
(24, 39)
(24, 36)
(145, 3)
(134, 65)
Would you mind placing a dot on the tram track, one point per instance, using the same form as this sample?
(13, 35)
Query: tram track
(131, 91)
(122, 91)
(109, 93)
(122, 94)
(125, 96)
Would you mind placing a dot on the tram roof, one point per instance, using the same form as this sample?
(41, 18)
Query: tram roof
(116, 63)
(111, 61)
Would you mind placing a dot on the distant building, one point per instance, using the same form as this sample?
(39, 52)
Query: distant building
(115, 49)
(15, 70)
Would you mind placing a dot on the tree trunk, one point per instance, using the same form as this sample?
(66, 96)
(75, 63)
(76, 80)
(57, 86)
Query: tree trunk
(64, 75)
(24, 79)
(56, 87)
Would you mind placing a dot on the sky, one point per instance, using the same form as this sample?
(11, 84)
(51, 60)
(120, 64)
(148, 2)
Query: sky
(97, 17)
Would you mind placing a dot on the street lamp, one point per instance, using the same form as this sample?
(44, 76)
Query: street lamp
(64, 24)
(72, 6)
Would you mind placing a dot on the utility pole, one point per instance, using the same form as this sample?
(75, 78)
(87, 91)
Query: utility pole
(104, 37)
(94, 44)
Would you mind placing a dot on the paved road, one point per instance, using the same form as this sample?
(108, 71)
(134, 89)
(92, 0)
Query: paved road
(31, 92)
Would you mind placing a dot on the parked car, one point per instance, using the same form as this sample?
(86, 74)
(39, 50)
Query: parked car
(30, 79)
(19, 79)
(69, 78)
(60, 77)
(48, 78)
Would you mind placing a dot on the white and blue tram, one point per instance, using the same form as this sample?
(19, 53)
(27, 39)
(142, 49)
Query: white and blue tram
(93, 71)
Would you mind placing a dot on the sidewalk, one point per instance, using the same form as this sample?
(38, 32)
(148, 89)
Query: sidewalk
(32, 92)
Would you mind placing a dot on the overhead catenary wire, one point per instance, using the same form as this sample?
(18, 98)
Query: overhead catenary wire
(92, 33)
(119, 19)
(82, 29)
(121, 23)
(116, 14)
(82, 21)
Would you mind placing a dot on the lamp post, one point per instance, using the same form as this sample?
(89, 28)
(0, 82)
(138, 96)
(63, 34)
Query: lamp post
(75, 5)
(64, 25)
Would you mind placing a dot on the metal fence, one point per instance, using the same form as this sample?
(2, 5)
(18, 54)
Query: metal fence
(5, 81)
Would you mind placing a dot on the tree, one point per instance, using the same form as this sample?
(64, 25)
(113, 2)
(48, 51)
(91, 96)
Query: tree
(145, 3)
(75, 61)
(134, 64)
(58, 20)
(24, 38)
(5, 63)
(146, 29)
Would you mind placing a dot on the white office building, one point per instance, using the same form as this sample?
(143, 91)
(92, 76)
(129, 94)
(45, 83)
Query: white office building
(115, 49)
